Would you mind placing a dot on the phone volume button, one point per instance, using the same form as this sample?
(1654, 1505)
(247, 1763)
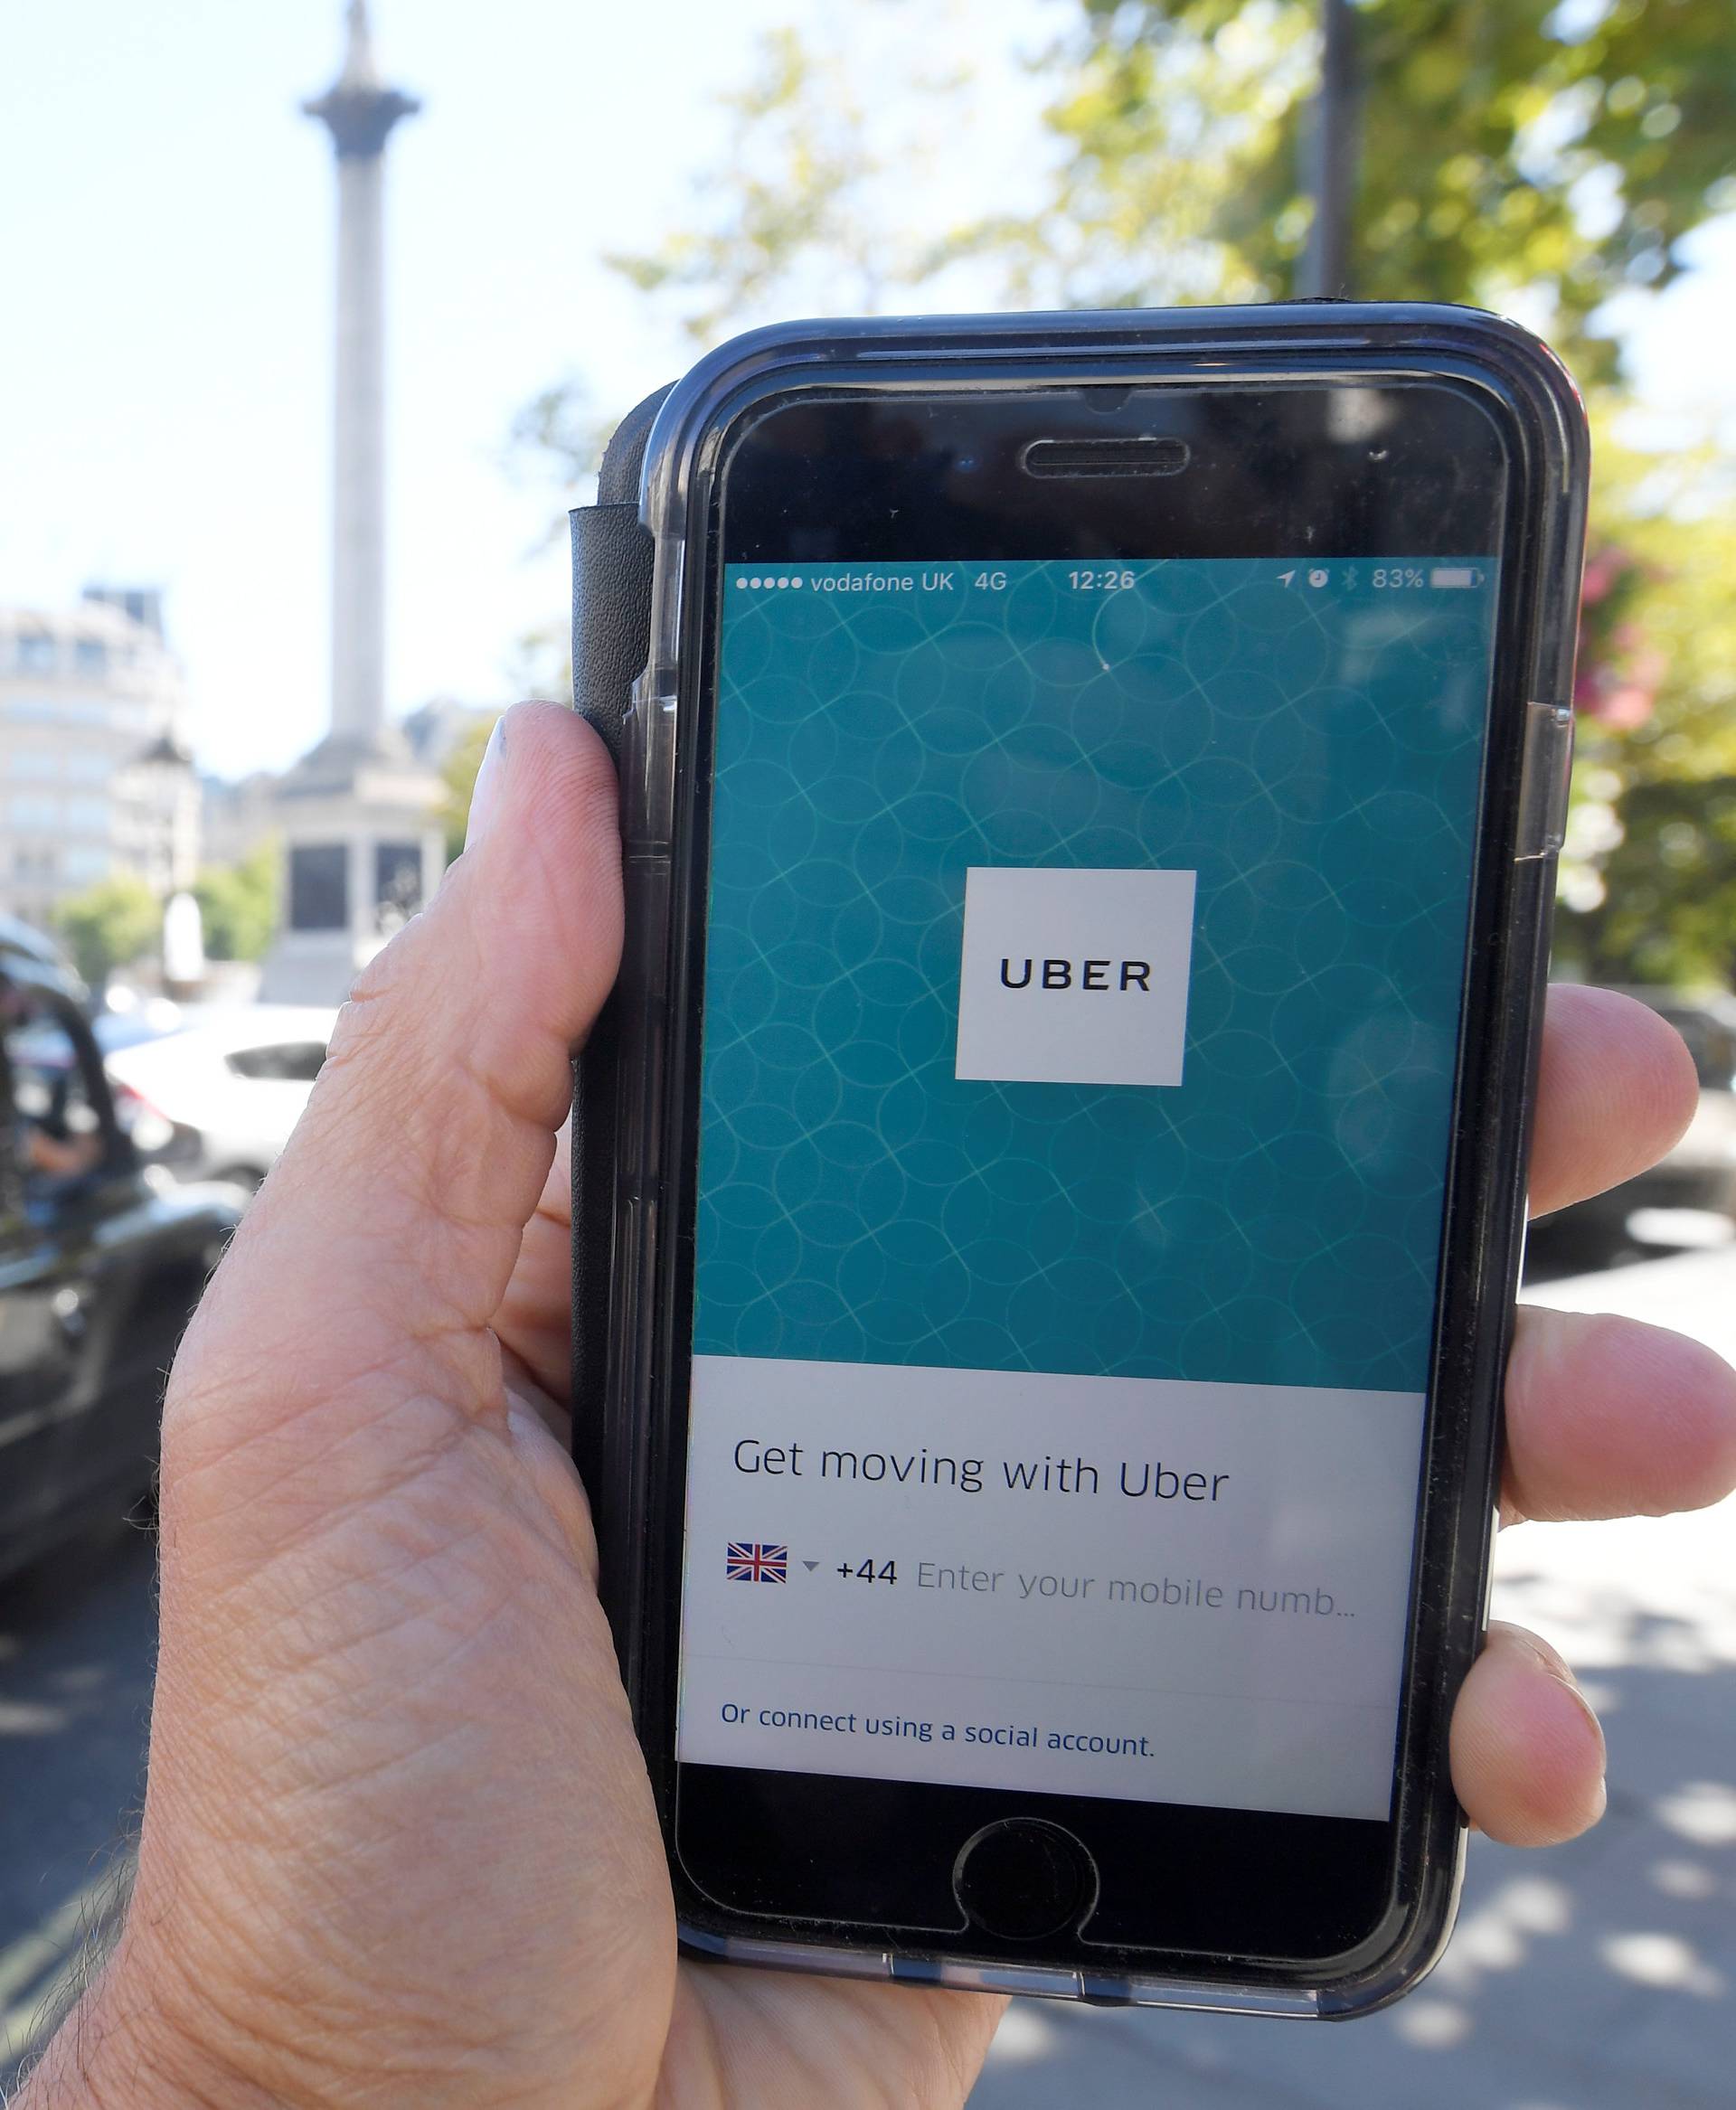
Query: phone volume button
(1544, 774)
(647, 775)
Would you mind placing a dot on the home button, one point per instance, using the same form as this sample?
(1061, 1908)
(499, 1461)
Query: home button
(1023, 1879)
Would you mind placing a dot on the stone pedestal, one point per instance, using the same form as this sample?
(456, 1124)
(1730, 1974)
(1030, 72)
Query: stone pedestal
(364, 850)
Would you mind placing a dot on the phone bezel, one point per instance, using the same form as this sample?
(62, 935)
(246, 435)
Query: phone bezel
(1508, 904)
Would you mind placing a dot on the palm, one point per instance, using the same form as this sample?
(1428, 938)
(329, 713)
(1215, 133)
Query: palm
(740, 2037)
(399, 1842)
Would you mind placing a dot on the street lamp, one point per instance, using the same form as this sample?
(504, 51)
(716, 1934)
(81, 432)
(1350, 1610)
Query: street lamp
(164, 772)
(1330, 166)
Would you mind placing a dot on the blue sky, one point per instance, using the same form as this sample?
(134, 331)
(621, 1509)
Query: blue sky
(164, 367)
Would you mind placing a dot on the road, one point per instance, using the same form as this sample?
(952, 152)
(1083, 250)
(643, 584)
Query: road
(77, 1644)
(1595, 1978)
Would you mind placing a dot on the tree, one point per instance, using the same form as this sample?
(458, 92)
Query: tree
(1648, 881)
(1545, 157)
(110, 924)
(559, 433)
(241, 904)
(795, 213)
(1549, 152)
(1552, 151)
(810, 203)
(460, 772)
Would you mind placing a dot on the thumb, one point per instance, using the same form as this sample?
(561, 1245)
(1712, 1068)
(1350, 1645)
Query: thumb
(379, 1644)
(384, 1238)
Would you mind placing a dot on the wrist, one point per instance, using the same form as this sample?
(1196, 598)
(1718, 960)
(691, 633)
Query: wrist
(121, 2047)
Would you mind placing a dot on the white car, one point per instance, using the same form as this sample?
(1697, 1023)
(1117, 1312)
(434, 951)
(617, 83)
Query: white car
(216, 1099)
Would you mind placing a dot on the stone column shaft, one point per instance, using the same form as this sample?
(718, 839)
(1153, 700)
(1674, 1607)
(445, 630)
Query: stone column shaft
(358, 460)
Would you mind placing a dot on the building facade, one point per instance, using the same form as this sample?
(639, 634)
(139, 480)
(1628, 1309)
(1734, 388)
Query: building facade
(96, 780)
(237, 817)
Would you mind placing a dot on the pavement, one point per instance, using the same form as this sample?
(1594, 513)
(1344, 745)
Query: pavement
(1601, 1976)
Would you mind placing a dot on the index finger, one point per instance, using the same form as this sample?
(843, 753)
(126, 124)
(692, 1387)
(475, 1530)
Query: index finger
(1617, 1089)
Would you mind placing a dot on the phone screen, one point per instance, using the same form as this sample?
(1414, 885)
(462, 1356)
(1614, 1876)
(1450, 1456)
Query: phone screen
(1084, 951)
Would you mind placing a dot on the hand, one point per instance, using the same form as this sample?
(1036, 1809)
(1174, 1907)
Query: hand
(398, 1844)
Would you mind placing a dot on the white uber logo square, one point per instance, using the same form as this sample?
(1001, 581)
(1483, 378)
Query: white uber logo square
(1074, 977)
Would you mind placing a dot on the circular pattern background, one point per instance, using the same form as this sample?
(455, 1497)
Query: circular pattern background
(1272, 1220)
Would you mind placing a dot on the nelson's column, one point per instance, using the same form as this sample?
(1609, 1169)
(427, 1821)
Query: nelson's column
(358, 816)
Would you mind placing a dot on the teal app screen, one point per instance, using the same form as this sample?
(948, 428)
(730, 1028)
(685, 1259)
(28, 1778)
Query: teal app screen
(1083, 965)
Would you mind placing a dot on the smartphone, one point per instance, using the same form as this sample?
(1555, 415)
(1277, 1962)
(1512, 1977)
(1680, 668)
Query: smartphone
(1052, 1192)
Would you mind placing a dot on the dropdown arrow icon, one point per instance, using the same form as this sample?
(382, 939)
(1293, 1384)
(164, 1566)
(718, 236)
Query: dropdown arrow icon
(810, 1565)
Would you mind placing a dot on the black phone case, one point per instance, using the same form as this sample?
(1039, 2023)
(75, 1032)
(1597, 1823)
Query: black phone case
(632, 649)
(612, 636)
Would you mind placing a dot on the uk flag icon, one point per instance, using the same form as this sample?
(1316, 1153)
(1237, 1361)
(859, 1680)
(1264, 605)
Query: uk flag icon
(748, 1561)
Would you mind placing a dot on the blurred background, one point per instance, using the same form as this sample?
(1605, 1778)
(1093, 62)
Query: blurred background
(237, 360)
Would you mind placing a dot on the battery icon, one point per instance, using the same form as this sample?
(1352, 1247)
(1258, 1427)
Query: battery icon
(1459, 575)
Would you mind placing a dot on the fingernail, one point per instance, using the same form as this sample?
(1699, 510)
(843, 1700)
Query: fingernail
(1591, 1720)
(1555, 1666)
(485, 793)
(1563, 1678)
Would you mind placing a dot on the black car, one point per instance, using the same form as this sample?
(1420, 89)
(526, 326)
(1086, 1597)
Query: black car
(102, 1260)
